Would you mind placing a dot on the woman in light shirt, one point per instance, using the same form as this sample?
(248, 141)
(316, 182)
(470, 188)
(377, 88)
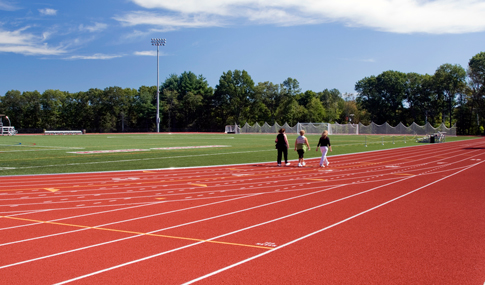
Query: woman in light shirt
(301, 145)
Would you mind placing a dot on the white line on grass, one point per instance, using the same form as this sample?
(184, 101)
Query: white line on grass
(139, 159)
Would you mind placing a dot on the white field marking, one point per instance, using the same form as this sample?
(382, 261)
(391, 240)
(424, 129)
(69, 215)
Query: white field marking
(79, 216)
(144, 159)
(220, 236)
(37, 150)
(124, 178)
(158, 138)
(188, 147)
(129, 220)
(324, 229)
(107, 151)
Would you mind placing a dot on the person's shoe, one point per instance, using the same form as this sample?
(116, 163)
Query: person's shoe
(279, 164)
(299, 164)
(327, 163)
(303, 164)
(288, 164)
(321, 165)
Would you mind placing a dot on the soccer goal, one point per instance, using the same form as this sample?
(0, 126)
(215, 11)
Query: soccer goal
(232, 129)
(313, 128)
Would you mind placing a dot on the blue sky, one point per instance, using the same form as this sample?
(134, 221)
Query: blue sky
(76, 45)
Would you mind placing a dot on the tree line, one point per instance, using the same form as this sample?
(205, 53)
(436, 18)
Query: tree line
(187, 103)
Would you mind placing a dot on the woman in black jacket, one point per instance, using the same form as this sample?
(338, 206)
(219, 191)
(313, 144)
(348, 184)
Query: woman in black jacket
(282, 146)
(324, 144)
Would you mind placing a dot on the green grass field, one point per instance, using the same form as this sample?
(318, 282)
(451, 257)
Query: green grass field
(39, 154)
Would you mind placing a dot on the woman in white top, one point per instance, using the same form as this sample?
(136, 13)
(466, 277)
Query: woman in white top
(301, 145)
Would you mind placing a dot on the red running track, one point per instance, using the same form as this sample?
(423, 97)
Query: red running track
(404, 216)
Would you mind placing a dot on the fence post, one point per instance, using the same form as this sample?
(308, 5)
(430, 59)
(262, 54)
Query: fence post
(365, 141)
(382, 139)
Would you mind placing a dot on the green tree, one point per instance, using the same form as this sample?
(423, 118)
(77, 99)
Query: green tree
(476, 74)
(51, 104)
(234, 93)
(32, 109)
(450, 82)
(315, 111)
(383, 96)
(13, 105)
(333, 103)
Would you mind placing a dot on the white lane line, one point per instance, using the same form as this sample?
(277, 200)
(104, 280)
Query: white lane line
(226, 234)
(99, 244)
(324, 229)
(128, 220)
(79, 216)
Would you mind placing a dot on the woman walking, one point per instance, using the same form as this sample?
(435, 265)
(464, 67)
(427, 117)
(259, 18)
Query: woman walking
(324, 144)
(282, 146)
(301, 145)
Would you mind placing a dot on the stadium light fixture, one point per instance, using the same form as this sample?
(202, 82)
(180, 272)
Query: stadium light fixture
(158, 43)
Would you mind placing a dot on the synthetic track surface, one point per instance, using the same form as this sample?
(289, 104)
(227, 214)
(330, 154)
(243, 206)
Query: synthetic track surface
(402, 216)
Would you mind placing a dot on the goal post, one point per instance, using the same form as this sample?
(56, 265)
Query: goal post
(232, 129)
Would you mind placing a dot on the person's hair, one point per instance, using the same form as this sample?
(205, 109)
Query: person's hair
(324, 134)
(302, 132)
(282, 130)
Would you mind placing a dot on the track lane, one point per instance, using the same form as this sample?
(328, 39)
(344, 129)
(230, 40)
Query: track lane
(344, 174)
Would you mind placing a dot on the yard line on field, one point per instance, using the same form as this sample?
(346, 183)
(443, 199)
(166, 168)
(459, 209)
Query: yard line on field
(140, 159)
(323, 229)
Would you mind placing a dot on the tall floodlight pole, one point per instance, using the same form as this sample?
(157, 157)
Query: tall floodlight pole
(158, 43)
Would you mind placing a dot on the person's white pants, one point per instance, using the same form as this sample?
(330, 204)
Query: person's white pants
(323, 160)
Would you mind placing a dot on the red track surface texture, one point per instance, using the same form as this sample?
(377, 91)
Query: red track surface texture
(404, 216)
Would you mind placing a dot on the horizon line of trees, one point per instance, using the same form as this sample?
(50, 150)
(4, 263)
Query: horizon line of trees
(187, 103)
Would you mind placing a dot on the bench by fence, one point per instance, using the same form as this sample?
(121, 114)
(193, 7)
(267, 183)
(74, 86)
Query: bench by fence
(8, 131)
(63, 132)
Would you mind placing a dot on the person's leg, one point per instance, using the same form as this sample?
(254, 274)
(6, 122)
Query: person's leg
(300, 157)
(285, 155)
(324, 151)
(322, 158)
(279, 156)
(325, 160)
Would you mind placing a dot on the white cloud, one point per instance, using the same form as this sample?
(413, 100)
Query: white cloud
(146, 53)
(396, 16)
(7, 6)
(94, 56)
(97, 27)
(21, 42)
(48, 12)
(168, 22)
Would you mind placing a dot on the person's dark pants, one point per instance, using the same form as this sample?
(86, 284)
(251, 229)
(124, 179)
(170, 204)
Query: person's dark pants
(282, 152)
(300, 153)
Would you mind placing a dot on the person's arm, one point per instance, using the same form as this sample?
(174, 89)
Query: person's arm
(307, 144)
(287, 143)
(329, 145)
